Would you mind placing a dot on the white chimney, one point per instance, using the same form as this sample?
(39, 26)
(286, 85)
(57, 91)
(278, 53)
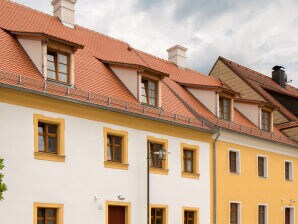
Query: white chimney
(177, 55)
(65, 11)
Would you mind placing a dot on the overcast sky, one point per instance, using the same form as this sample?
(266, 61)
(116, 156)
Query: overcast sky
(256, 33)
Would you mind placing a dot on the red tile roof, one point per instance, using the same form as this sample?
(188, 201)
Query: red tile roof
(96, 83)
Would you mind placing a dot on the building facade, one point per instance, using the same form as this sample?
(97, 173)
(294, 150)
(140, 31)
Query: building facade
(96, 131)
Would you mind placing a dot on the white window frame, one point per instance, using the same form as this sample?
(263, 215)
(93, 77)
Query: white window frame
(239, 211)
(291, 170)
(293, 216)
(266, 213)
(238, 161)
(266, 173)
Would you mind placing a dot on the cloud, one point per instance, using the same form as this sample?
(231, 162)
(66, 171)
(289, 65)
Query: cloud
(257, 33)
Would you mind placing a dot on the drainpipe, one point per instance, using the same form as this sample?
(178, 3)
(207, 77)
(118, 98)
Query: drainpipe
(214, 175)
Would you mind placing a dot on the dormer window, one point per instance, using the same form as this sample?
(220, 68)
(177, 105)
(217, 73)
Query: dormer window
(224, 108)
(266, 120)
(57, 66)
(149, 89)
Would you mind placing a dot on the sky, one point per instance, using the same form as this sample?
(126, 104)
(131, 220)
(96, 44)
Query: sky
(256, 33)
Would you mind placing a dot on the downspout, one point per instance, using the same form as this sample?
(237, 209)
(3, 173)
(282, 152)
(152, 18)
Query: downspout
(214, 175)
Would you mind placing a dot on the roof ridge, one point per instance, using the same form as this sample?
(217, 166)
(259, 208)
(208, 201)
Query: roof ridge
(27, 7)
(169, 62)
(102, 34)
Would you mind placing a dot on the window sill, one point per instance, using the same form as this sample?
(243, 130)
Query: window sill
(160, 171)
(235, 173)
(263, 177)
(49, 157)
(289, 180)
(115, 165)
(190, 175)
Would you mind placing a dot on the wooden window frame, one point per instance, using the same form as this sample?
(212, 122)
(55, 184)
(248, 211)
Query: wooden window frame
(265, 166)
(268, 128)
(60, 155)
(191, 209)
(221, 113)
(239, 213)
(124, 150)
(165, 212)
(148, 79)
(266, 213)
(127, 206)
(164, 170)
(59, 209)
(56, 53)
(195, 148)
(238, 161)
(291, 170)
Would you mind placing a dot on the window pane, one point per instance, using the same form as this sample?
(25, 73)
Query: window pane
(40, 128)
(144, 99)
(51, 66)
(62, 77)
(52, 144)
(62, 68)
(50, 57)
(40, 222)
(40, 212)
(51, 75)
(117, 140)
(52, 129)
(51, 222)
(152, 93)
(51, 213)
(152, 101)
(159, 221)
(159, 212)
(41, 143)
(189, 166)
(62, 58)
(109, 154)
(117, 154)
(152, 85)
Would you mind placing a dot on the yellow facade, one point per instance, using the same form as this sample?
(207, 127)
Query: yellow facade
(251, 190)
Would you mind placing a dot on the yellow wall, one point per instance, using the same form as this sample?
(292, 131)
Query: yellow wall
(250, 189)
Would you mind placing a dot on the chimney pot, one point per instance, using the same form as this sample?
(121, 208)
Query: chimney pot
(177, 55)
(279, 76)
(65, 11)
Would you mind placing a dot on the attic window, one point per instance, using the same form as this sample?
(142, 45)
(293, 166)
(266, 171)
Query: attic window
(58, 66)
(224, 108)
(266, 120)
(149, 90)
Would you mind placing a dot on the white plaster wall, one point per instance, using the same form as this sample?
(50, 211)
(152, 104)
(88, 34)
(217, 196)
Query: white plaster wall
(250, 111)
(75, 182)
(207, 97)
(129, 77)
(34, 49)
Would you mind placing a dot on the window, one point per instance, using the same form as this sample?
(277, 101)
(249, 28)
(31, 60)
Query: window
(234, 213)
(224, 108)
(266, 120)
(149, 89)
(262, 214)
(48, 213)
(58, 66)
(288, 170)
(48, 138)
(262, 166)
(190, 215)
(115, 148)
(157, 164)
(190, 160)
(234, 161)
(159, 214)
